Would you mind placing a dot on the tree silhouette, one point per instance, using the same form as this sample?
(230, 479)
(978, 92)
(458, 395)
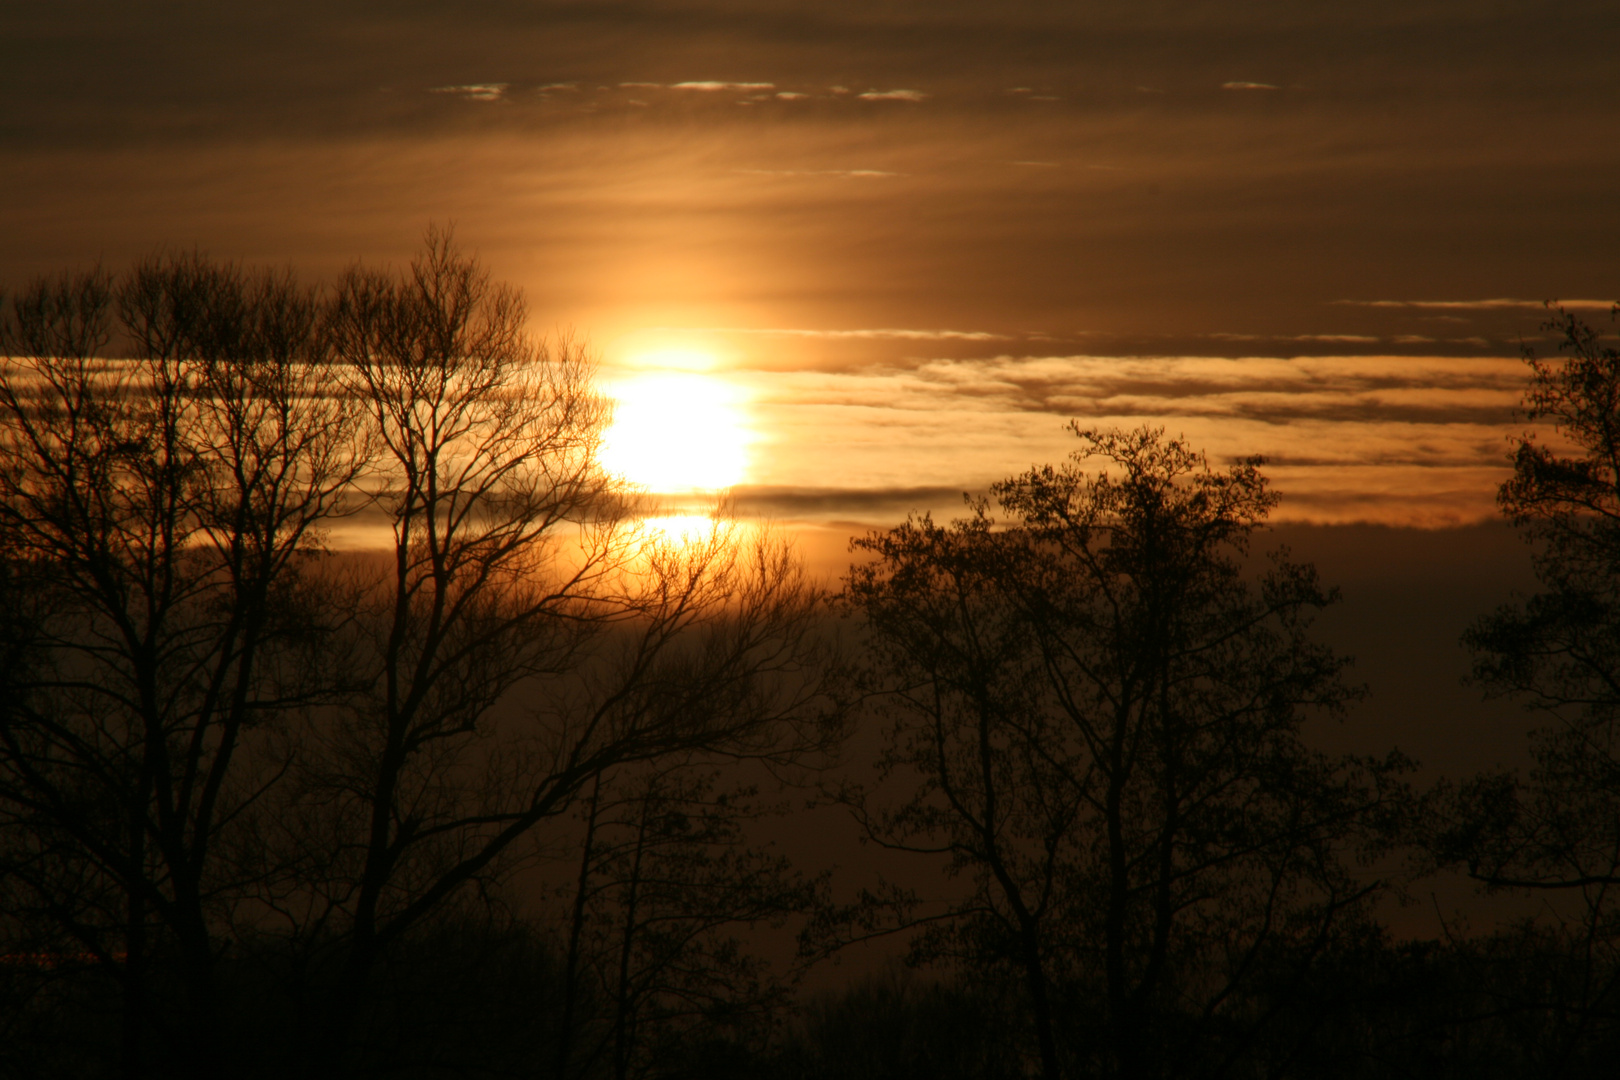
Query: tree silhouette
(894, 1025)
(521, 635)
(1556, 830)
(668, 882)
(160, 517)
(1098, 717)
(222, 744)
(1559, 651)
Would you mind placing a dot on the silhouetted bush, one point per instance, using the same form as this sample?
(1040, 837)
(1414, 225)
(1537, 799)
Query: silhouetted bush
(897, 1025)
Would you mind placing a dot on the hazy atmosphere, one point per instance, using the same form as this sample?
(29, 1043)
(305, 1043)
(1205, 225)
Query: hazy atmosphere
(827, 265)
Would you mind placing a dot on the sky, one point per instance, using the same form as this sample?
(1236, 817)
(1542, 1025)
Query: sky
(889, 250)
(912, 240)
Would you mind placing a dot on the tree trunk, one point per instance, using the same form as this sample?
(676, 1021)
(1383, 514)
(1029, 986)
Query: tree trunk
(1035, 973)
(576, 930)
(131, 1063)
(623, 1022)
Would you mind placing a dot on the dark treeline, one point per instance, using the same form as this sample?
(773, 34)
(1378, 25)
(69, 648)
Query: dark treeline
(479, 788)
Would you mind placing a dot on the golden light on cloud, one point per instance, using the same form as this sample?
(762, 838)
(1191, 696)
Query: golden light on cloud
(676, 432)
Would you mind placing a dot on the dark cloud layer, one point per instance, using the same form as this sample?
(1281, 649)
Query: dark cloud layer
(101, 68)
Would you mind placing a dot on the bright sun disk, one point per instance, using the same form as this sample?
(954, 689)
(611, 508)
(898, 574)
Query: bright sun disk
(676, 433)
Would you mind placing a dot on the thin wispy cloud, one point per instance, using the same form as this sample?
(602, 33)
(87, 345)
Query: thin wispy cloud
(712, 87)
(1494, 304)
(1341, 431)
(1393, 390)
(800, 502)
(1249, 86)
(894, 95)
(473, 91)
(1343, 339)
(876, 334)
(818, 172)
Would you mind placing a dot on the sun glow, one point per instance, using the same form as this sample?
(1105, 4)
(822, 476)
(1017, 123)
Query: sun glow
(677, 433)
(681, 529)
(677, 360)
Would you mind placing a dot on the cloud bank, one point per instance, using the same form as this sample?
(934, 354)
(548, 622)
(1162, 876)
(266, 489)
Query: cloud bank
(1395, 439)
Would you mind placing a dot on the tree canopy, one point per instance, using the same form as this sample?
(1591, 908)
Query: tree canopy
(1095, 710)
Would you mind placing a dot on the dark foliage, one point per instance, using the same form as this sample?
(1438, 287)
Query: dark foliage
(1098, 720)
(1559, 650)
(897, 1026)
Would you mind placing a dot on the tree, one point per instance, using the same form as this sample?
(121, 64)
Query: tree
(520, 635)
(1556, 830)
(893, 1025)
(222, 741)
(161, 521)
(667, 882)
(1559, 651)
(1098, 719)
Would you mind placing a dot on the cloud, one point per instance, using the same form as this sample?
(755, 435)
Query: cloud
(893, 95)
(1249, 86)
(1379, 389)
(881, 334)
(817, 501)
(1347, 339)
(711, 87)
(791, 95)
(473, 91)
(818, 172)
(1497, 303)
(1414, 440)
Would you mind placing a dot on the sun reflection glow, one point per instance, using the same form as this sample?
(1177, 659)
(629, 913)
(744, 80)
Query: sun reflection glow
(680, 529)
(677, 433)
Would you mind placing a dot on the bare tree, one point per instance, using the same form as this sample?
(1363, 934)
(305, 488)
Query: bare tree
(523, 634)
(1096, 717)
(163, 514)
(668, 881)
(220, 738)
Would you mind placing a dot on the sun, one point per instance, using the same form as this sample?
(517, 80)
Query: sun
(676, 432)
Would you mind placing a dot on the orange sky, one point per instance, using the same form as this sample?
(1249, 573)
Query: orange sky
(917, 239)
